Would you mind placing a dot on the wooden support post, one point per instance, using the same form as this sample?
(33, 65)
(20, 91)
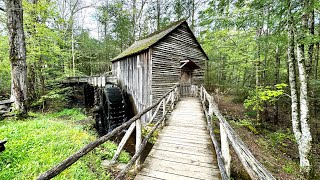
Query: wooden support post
(138, 142)
(210, 112)
(163, 111)
(155, 112)
(225, 149)
(172, 100)
(123, 142)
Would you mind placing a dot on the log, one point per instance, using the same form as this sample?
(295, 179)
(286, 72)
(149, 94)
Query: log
(89, 147)
(6, 102)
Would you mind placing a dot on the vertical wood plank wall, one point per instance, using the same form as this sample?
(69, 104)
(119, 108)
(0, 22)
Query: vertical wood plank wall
(133, 74)
(151, 73)
(177, 46)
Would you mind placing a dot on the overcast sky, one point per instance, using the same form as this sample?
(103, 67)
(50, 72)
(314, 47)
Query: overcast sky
(87, 17)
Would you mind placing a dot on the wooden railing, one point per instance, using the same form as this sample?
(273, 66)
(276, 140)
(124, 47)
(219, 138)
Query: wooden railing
(188, 90)
(253, 167)
(167, 101)
(98, 80)
(5, 106)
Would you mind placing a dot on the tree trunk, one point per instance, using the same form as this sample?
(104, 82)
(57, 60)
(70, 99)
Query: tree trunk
(300, 125)
(317, 60)
(305, 141)
(17, 55)
(158, 15)
(192, 15)
(72, 48)
(134, 18)
(292, 82)
(277, 81)
(257, 73)
(311, 46)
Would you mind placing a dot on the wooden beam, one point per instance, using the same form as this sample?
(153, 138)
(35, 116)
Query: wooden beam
(138, 142)
(123, 142)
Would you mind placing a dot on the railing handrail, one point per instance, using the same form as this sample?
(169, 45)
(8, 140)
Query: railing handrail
(89, 147)
(253, 167)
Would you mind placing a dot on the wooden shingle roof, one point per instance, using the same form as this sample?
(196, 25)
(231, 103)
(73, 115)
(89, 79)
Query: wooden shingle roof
(147, 42)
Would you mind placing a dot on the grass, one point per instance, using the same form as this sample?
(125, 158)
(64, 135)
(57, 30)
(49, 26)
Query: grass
(41, 142)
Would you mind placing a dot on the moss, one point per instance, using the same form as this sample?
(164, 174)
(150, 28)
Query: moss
(148, 41)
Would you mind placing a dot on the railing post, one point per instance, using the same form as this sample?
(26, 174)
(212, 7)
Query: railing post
(225, 149)
(201, 97)
(210, 111)
(138, 141)
(172, 100)
(163, 111)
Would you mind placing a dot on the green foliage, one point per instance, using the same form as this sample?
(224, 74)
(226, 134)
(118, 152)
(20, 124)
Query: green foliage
(279, 138)
(288, 168)
(262, 95)
(54, 99)
(74, 114)
(37, 144)
(5, 76)
(248, 124)
(154, 136)
(108, 149)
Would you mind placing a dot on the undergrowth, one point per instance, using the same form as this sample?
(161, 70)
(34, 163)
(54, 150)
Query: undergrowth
(37, 144)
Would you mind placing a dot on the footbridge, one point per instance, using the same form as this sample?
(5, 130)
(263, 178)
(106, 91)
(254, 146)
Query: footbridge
(187, 146)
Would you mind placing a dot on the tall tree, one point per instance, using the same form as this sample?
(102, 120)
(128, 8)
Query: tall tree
(17, 54)
(300, 125)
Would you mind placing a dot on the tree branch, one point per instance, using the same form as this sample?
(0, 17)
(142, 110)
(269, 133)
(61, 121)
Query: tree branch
(2, 9)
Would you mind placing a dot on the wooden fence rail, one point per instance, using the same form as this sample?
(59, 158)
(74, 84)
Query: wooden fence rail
(253, 167)
(134, 122)
(98, 80)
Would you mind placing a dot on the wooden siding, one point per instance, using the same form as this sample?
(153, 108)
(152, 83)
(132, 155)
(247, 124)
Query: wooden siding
(134, 76)
(166, 56)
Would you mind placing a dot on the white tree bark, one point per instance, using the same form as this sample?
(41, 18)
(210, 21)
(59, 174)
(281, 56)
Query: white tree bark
(300, 125)
(293, 86)
(305, 141)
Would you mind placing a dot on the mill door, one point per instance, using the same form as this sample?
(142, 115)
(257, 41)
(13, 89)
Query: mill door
(186, 73)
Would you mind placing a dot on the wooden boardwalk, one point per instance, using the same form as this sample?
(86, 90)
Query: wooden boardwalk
(184, 148)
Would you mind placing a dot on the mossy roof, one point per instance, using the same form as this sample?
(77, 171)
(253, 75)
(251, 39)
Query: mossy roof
(148, 41)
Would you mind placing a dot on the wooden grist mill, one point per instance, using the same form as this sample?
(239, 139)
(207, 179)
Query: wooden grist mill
(164, 76)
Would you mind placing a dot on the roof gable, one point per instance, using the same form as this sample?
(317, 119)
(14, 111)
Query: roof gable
(152, 39)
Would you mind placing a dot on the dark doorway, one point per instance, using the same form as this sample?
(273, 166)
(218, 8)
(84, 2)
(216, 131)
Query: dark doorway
(187, 67)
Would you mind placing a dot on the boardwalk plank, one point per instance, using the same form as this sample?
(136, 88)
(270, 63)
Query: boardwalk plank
(184, 148)
(163, 175)
(181, 169)
(179, 156)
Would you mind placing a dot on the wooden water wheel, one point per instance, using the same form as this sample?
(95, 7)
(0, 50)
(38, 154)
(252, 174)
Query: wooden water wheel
(112, 111)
